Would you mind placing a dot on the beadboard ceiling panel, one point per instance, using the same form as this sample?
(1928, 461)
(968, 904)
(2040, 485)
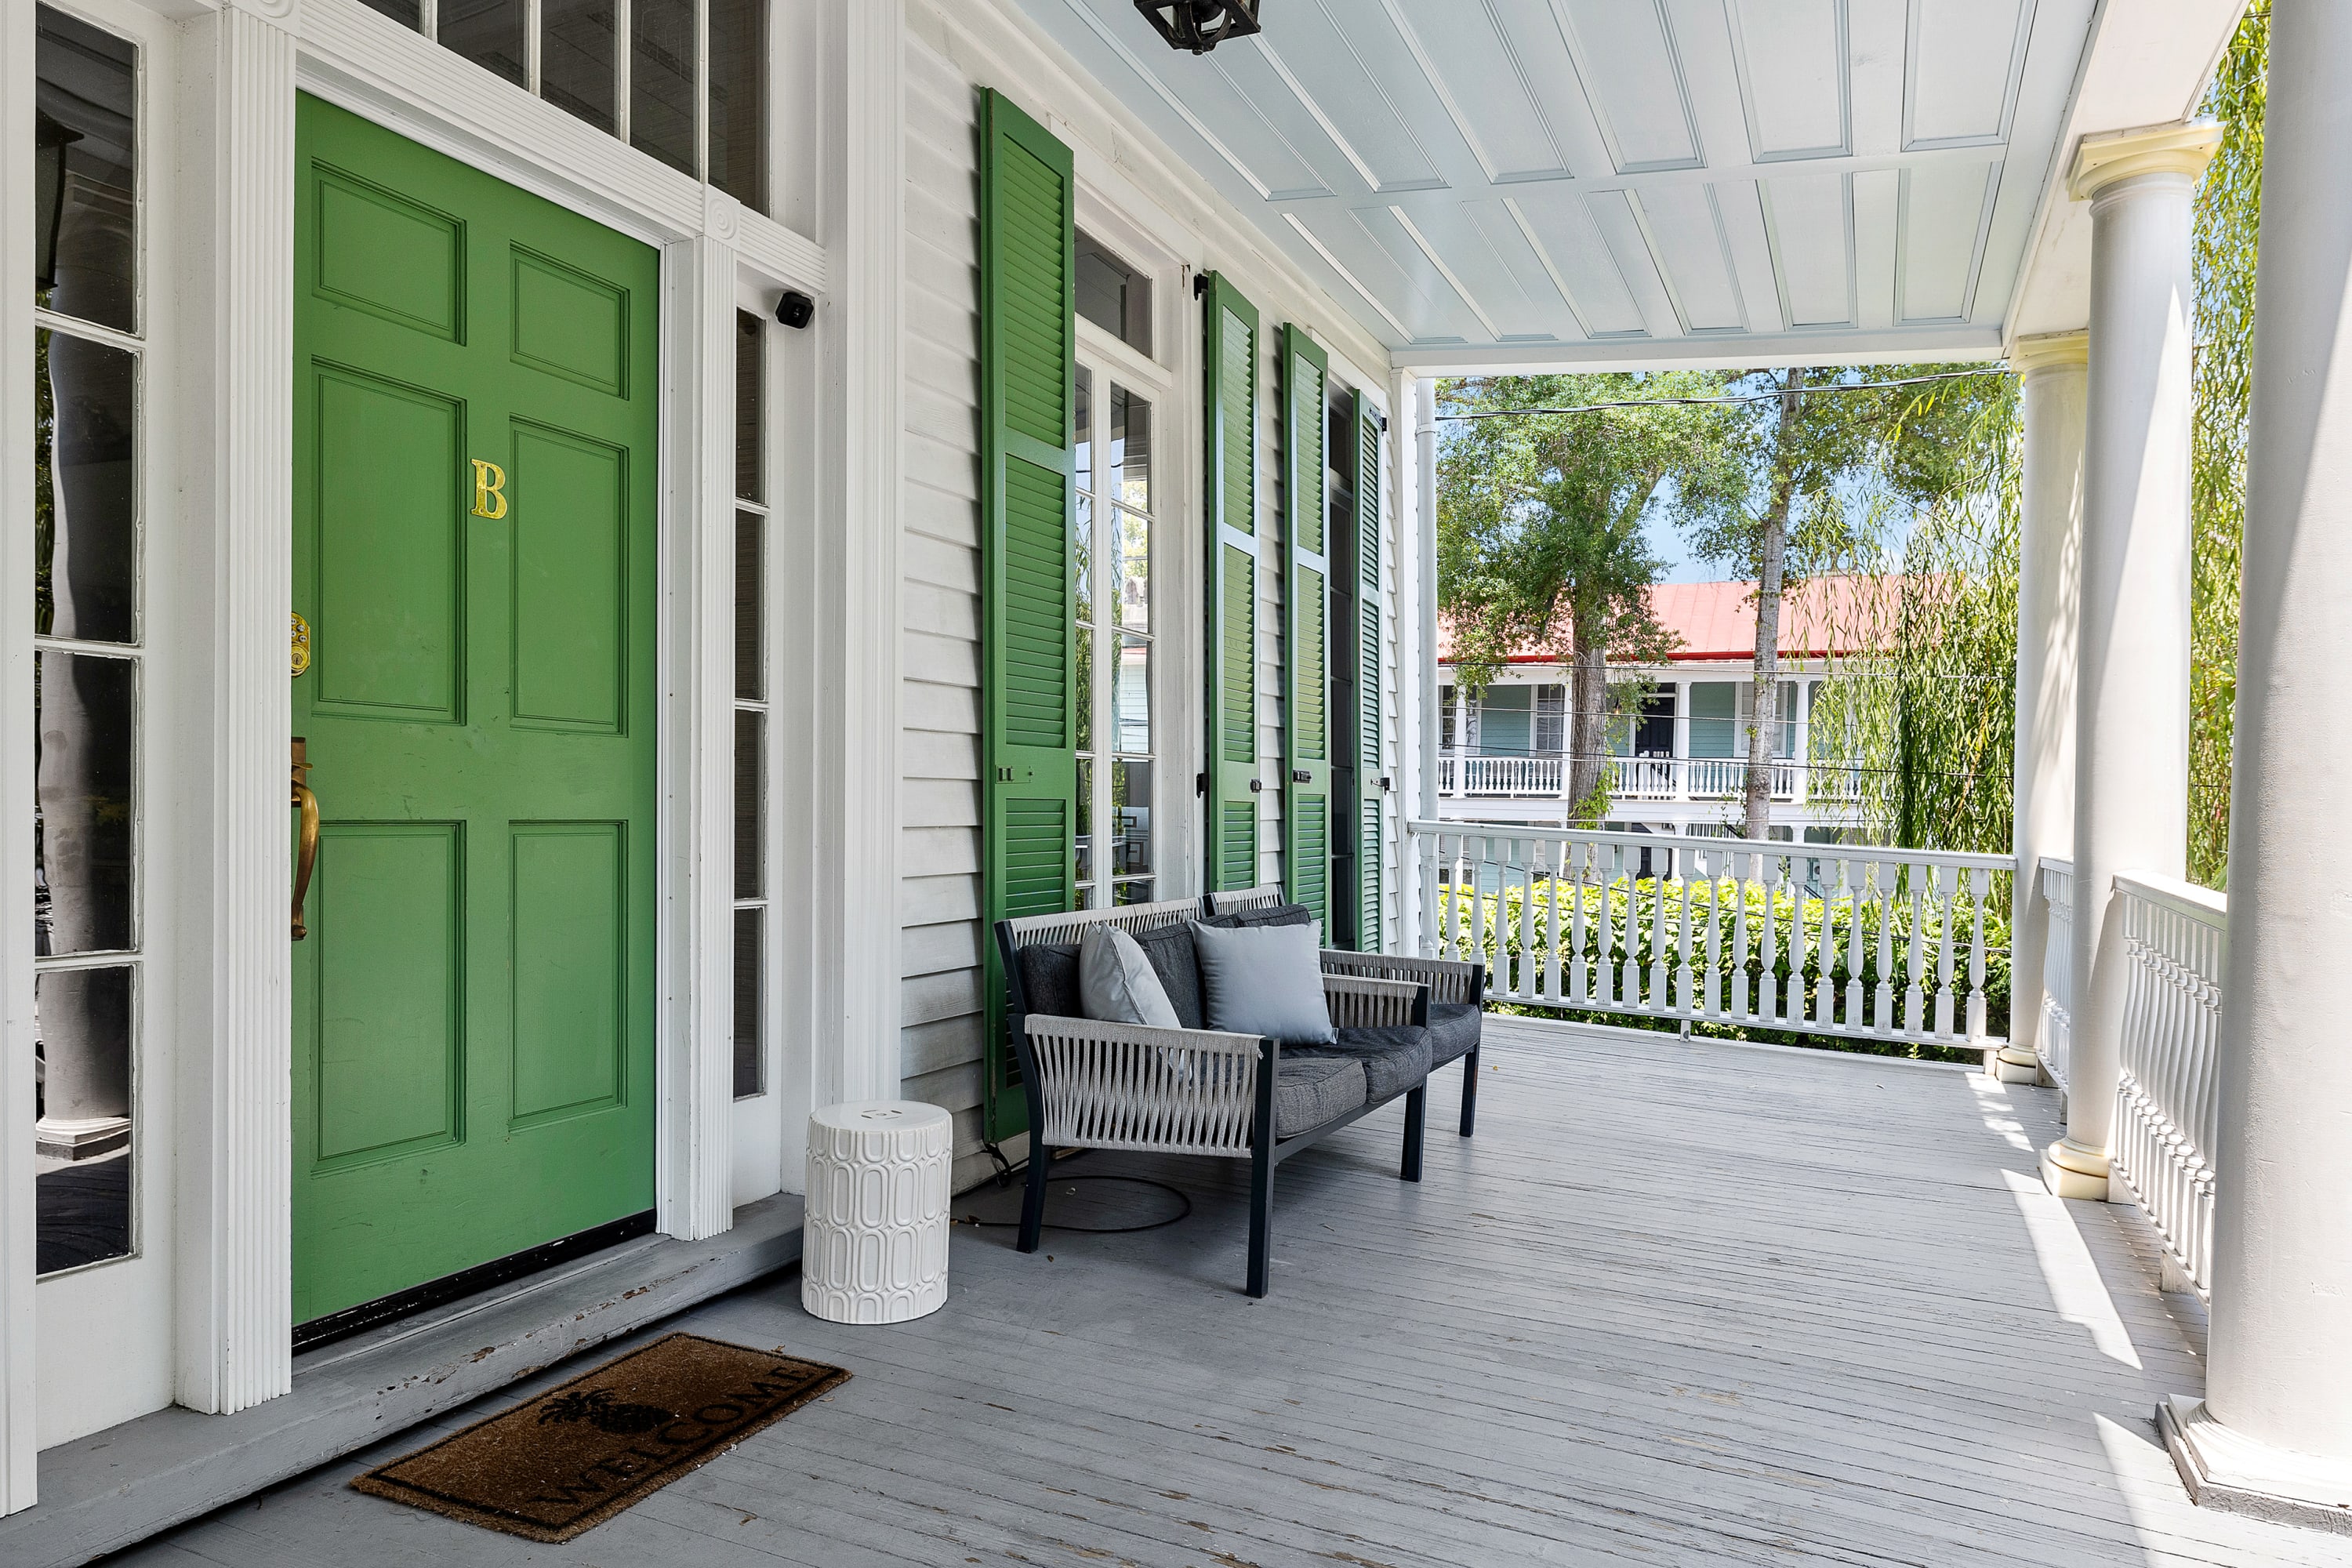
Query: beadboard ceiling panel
(1561, 181)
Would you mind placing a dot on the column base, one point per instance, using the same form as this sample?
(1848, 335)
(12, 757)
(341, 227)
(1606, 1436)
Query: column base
(56, 1138)
(2013, 1064)
(2230, 1471)
(2070, 1170)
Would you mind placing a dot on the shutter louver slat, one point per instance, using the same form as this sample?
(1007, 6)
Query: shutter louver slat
(1306, 608)
(1028, 333)
(1230, 405)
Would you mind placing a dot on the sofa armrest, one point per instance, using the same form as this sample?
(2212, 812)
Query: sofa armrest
(1449, 980)
(1366, 1002)
(1129, 1086)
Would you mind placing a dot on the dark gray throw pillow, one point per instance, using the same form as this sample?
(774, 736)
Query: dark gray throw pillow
(1266, 980)
(1049, 980)
(1178, 964)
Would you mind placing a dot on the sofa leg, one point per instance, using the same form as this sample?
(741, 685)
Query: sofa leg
(1033, 1194)
(1261, 1242)
(1469, 1091)
(1416, 1118)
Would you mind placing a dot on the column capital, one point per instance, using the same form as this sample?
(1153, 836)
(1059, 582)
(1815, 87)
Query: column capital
(2182, 147)
(2050, 351)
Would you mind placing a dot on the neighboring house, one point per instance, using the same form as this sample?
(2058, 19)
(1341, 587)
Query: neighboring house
(1678, 764)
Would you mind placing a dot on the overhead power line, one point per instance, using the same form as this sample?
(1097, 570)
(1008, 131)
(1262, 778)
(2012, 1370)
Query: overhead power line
(1745, 397)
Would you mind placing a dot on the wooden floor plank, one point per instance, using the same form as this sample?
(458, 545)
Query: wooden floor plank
(1678, 1302)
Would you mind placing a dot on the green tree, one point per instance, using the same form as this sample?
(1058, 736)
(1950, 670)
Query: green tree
(1806, 443)
(2227, 215)
(1539, 529)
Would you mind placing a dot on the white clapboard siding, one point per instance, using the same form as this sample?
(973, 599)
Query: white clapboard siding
(940, 1030)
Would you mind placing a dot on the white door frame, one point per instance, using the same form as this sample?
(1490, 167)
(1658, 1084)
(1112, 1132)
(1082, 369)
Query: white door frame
(244, 64)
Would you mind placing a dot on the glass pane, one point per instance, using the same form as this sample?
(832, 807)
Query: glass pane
(576, 59)
(1082, 557)
(1130, 892)
(82, 1141)
(487, 32)
(1082, 427)
(1134, 572)
(1085, 843)
(1130, 447)
(85, 446)
(747, 412)
(407, 13)
(751, 732)
(739, 94)
(1131, 700)
(749, 1060)
(85, 173)
(1130, 806)
(1086, 688)
(84, 708)
(661, 80)
(750, 683)
(1113, 295)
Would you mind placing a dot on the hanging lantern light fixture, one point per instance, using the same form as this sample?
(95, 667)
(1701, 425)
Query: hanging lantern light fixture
(1201, 25)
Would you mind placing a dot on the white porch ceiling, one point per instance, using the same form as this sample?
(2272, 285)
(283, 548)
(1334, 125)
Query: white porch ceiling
(1588, 182)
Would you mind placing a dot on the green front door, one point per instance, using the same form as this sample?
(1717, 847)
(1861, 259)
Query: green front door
(475, 428)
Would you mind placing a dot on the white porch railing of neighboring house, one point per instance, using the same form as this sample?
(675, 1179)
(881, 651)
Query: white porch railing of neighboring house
(2051, 1039)
(1644, 778)
(1880, 944)
(2176, 937)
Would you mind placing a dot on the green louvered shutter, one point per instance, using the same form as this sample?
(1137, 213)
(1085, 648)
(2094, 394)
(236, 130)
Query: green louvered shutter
(1306, 627)
(1028, 337)
(1231, 407)
(1364, 569)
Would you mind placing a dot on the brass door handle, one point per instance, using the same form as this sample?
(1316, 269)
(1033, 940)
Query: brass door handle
(307, 861)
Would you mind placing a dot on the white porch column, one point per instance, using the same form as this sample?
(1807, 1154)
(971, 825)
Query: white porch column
(2274, 1435)
(2131, 707)
(2055, 371)
(234, 1246)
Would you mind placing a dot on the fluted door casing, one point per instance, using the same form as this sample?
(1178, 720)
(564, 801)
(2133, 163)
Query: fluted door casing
(874, 1246)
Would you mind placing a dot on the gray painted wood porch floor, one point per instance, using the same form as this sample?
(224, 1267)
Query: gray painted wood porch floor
(1677, 1303)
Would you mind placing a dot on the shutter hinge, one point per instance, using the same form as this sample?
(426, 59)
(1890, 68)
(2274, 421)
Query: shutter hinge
(1257, 786)
(1300, 775)
(1384, 424)
(1199, 784)
(1385, 785)
(1200, 284)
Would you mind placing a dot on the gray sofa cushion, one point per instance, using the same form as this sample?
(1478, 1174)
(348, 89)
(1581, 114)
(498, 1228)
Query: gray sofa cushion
(1453, 1031)
(1394, 1059)
(1310, 1091)
(1049, 980)
(1173, 959)
(1265, 981)
(1269, 915)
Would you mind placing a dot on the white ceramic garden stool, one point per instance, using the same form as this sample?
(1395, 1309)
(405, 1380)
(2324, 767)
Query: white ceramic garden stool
(874, 1246)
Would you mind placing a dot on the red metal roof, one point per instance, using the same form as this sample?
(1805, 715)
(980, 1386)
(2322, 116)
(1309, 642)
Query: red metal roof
(1717, 620)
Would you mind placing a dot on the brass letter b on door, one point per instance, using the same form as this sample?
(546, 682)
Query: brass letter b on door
(489, 489)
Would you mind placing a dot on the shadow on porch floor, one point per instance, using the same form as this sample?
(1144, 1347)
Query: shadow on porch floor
(1677, 1303)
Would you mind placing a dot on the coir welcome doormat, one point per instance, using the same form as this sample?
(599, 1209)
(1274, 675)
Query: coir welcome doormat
(578, 1454)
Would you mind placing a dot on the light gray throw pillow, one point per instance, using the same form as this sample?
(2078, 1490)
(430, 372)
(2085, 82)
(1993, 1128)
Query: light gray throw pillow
(1117, 982)
(1266, 980)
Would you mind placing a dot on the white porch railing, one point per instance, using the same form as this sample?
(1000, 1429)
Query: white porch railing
(2167, 1101)
(2057, 970)
(1882, 944)
(1644, 778)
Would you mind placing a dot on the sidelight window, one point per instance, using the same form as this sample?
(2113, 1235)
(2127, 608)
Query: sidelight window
(751, 890)
(89, 369)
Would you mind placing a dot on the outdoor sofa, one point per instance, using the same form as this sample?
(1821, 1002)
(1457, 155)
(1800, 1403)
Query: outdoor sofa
(1095, 1084)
